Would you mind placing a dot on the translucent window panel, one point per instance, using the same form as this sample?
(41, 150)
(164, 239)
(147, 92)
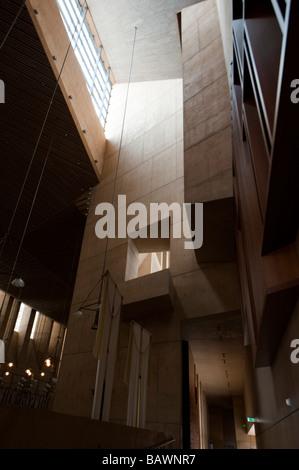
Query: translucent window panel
(19, 318)
(88, 55)
(32, 334)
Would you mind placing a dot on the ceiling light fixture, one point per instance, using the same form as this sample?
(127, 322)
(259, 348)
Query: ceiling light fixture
(18, 282)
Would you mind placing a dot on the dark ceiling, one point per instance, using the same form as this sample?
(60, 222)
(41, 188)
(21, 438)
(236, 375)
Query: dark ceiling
(51, 213)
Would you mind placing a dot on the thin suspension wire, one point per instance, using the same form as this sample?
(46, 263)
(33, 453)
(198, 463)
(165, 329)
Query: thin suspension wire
(30, 213)
(95, 325)
(5, 238)
(13, 24)
(33, 202)
(121, 139)
(35, 149)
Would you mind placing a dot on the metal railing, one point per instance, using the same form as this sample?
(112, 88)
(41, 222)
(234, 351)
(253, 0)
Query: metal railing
(27, 392)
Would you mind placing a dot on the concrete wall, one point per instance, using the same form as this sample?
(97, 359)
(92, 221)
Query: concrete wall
(176, 147)
(208, 154)
(225, 12)
(208, 173)
(216, 427)
(243, 439)
(279, 423)
(207, 116)
(194, 404)
(268, 390)
(150, 170)
(203, 419)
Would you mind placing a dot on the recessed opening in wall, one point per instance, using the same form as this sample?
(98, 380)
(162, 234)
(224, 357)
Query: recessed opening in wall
(33, 331)
(149, 263)
(179, 20)
(147, 256)
(19, 318)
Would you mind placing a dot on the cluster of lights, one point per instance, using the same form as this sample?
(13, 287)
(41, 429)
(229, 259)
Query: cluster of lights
(48, 363)
(10, 365)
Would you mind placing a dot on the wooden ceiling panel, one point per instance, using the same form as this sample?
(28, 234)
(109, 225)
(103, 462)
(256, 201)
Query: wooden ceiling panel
(35, 115)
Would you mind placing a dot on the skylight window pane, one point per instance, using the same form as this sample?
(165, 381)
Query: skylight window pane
(89, 56)
(103, 72)
(87, 53)
(89, 43)
(96, 96)
(75, 13)
(34, 325)
(99, 83)
(71, 20)
(19, 318)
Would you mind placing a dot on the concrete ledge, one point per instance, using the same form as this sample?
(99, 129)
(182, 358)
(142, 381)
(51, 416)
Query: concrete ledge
(147, 295)
(27, 428)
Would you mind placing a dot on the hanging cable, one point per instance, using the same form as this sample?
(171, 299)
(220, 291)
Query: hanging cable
(13, 24)
(33, 202)
(7, 234)
(30, 213)
(36, 146)
(96, 320)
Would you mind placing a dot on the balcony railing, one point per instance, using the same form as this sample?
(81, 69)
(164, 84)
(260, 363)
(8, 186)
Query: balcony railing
(27, 392)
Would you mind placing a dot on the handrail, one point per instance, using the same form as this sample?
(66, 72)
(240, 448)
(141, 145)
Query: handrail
(163, 444)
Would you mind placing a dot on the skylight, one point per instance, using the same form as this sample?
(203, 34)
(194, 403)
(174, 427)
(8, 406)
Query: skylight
(32, 334)
(88, 54)
(19, 318)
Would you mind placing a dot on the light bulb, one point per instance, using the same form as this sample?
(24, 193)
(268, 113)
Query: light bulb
(48, 362)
